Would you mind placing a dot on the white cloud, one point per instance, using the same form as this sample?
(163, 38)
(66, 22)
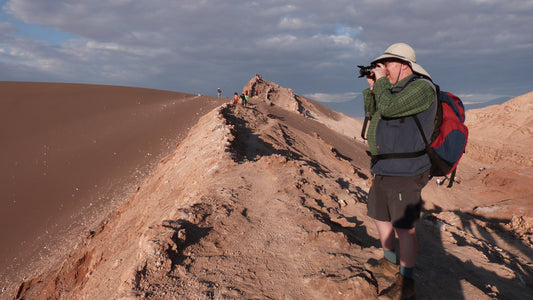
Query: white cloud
(343, 30)
(336, 98)
(341, 39)
(479, 98)
(114, 47)
(278, 42)
(287, 23)
(104, 46)
(306, 45)
(274, 10)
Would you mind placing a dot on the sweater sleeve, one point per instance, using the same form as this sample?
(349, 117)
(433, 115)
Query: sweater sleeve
(416, 97)
(370, 102)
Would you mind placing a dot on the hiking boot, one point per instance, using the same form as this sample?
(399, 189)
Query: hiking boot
(384, 267)
(403, 288)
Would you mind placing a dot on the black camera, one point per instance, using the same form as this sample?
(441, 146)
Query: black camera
(364, 71)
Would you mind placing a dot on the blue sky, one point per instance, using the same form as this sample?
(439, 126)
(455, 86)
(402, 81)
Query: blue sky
(478, 49)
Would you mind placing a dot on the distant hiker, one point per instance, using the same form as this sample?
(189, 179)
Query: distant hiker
(246, 97)
(394, 199)
(219, 92)
(235, 99)
(304, 112)
(242, 100)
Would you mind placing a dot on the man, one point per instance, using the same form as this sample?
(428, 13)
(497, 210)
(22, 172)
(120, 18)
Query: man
(394, 200)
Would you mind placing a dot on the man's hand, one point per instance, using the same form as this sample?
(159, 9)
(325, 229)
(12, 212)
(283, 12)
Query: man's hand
(376, 74)
(371, 79)
(379, 71)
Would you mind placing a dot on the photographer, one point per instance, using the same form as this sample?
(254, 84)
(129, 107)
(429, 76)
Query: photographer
(394, 200)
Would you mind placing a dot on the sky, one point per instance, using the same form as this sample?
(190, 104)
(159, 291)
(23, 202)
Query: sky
(480, 50)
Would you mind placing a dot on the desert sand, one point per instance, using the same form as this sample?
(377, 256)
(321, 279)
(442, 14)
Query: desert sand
(245, 202)
(71, 152)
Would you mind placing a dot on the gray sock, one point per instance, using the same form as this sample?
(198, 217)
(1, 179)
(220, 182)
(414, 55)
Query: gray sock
(406, 272)
(390, 255)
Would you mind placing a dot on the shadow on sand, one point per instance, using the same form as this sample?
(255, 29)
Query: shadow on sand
(447, 271)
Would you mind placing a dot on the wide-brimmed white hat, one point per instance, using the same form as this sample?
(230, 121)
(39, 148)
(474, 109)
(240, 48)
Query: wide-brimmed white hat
(406, 53)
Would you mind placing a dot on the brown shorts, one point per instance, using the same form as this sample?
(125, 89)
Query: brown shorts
(397, 199)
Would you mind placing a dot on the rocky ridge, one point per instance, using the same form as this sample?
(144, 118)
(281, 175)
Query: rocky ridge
(262, 202)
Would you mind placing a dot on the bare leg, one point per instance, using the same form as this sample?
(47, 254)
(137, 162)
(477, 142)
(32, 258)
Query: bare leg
(408, 246)
(386, 234)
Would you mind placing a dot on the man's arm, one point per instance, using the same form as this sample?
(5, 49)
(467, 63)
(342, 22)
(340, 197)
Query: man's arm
(370, 102)
(416, 97)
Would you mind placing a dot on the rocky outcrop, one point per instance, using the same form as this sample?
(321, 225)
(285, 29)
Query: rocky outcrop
(273, 94)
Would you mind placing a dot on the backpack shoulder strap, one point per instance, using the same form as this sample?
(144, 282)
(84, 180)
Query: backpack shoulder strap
(365, 124)
(415, 77)
(400, 87)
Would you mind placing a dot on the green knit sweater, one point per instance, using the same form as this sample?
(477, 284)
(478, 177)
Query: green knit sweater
(417, 97)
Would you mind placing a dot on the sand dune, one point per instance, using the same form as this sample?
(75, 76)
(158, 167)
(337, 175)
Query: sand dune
(70, 151)
(262, 202)
(503, 134)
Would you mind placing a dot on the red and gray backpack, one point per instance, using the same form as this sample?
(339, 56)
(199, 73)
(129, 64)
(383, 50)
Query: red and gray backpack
(449, 138)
